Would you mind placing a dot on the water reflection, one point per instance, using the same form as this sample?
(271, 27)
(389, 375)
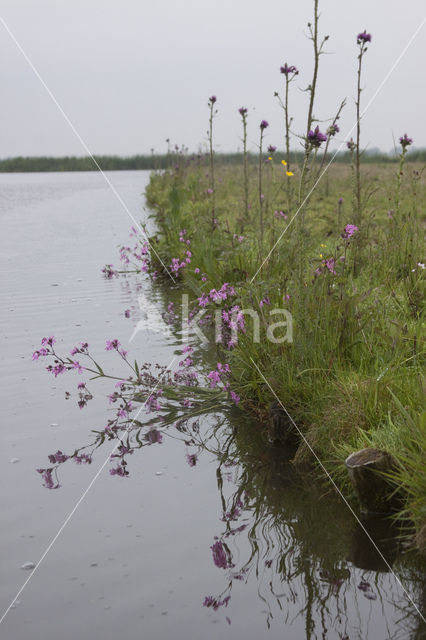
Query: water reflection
(284, 530)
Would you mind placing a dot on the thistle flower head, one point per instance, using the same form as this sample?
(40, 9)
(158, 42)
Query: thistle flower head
(242, 111)
(405, 141)
(264, 124)
(316, 138)
(363, 38)
(286, 69)
(350, 145)
(212, 100)
(333, 129)
(271, 148)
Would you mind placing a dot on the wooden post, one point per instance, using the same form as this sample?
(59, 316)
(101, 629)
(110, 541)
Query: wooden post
(375, 492)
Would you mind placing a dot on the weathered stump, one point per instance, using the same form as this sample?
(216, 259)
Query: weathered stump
(375, 492)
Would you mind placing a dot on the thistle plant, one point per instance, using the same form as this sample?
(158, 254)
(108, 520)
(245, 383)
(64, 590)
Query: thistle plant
(263, 125)
(243, 113)
(213, 112)
(405, 142)
(313, 138)
(398, 220)
(362, 41)
(290, 72)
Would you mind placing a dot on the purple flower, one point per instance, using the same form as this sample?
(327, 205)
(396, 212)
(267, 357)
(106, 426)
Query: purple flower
(40, 352)
(405, 141)
(286, 69)
(212, 99)
(264, 124)
(119, 471)
(235, 397)
(50, 341)
(215, 603)
(271, 148)
(214, 377)
(154, 436)
(349, 231)
(330, 265)
(316, 138)
(84, 458)
(220, 556)
(187, 349)
(264, 301)
(191, 459)
(223, 368)
(112, 344)
(58, 457)
(242, 111)
(351, 145)
(280, 214)
(365, 587)
(47, 479)
(127, 313)
(203, 301)
(333, 129)
(363, 37)
(59, 368)
(188, 362)
(109, 272)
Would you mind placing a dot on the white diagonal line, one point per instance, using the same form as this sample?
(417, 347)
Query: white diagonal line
(84, 494)
(340, 493)
(86, 148)
(374, 96)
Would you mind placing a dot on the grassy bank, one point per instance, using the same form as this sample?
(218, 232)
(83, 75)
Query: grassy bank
(352, 375)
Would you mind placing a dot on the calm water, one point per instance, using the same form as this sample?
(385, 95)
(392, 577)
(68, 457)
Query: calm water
(135, 559)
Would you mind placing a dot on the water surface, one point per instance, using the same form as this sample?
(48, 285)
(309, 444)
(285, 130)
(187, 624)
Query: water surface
(277, 554)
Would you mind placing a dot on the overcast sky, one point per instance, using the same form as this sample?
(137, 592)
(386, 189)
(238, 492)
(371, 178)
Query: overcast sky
(131, 73)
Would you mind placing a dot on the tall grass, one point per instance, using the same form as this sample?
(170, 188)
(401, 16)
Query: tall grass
(353, 375)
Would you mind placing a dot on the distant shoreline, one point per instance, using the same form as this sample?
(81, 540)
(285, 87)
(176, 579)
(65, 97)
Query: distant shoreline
(30, 164)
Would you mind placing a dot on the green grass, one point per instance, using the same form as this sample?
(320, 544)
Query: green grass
(353, 376)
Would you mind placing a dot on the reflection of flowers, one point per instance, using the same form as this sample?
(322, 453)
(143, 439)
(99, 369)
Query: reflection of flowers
(215, 603)
(221, 555)
(365, 587)
(191, 459)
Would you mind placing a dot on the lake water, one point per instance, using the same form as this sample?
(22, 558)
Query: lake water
(137, 556)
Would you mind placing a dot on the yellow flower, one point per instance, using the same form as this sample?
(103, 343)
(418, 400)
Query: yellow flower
(323, 246)
(290, 173)
(320, 255)
(269, 158)
(283, 162)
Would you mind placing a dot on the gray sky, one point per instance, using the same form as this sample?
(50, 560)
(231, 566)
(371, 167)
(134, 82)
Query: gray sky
(131, 73)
